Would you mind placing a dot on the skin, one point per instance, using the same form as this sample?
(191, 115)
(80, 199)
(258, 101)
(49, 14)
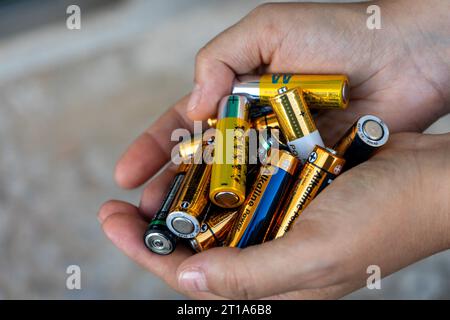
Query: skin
(390, 211)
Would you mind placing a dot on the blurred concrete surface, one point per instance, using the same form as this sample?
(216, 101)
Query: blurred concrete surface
(70, 103)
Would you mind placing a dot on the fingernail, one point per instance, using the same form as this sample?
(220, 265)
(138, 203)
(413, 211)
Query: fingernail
(192, 280)
(194, 100)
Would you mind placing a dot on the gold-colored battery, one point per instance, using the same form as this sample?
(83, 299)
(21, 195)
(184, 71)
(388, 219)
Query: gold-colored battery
(214, 230)
(191, 203)
(322, 167)
(320, 91)
(212, 122)
(346, 141)
(296, 122)
(229, 169)
(189, 147)
(269, 136)
(268, 121)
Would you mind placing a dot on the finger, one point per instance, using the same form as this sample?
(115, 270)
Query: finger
(152, 150)
(113, 206)
(317, 252)
(125, 228)
(238, 50)
(156, 190)
(126, 231)
(298, 260)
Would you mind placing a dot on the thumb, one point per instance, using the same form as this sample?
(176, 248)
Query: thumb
(237, 50)
(299, 260)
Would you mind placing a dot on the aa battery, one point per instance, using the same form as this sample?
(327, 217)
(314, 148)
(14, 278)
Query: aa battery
(212, 122)
(268, 136)
(257, 111)
(264, 200)
(322, 167)
(214, 230)
(269, 122)
(320, 91)
(366, 135)
(296, 122)
(158, 237)
(189, 147)
(228, 178)
(191, 203)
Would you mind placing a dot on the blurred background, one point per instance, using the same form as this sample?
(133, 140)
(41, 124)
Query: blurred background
(70, 103)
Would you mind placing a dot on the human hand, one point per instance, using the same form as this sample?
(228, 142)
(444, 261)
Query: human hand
(394, 73)
(389, 211)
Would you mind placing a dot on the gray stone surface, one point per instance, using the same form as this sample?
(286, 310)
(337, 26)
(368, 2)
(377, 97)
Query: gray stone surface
(70, 102)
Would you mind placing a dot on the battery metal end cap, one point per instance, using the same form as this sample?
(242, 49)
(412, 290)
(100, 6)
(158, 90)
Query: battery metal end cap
(158, 243)
(194, 245)
(345, 91)
(226, 199)
(373, 130)
(183, 225)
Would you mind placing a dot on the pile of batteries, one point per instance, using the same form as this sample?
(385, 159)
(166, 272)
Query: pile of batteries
(244, 197)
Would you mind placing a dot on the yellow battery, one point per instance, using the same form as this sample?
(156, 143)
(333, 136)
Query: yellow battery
(229, 168)
(214, 230)
(296, 122)
(191, 203)
(320, 91)
(322, 167)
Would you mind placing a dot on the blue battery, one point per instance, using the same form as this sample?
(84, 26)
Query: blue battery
(264, 199)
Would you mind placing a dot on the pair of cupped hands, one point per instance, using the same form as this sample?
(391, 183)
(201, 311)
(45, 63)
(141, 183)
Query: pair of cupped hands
(390, 211)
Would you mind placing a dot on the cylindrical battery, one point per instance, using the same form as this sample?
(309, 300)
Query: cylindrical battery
(189, 147)
(366, 135)
(230, 153)
(270, 123)
(212, 122)
(264, 200)
(266, 121)
(296, 122)
(214, 230)
(322, 167)
(320, 91)
(257, 111)
(268, 136)
(158, 237)
(189, 208)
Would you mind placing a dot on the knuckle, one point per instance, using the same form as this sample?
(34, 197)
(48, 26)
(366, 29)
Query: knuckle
(261, 9)
(202, 54)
